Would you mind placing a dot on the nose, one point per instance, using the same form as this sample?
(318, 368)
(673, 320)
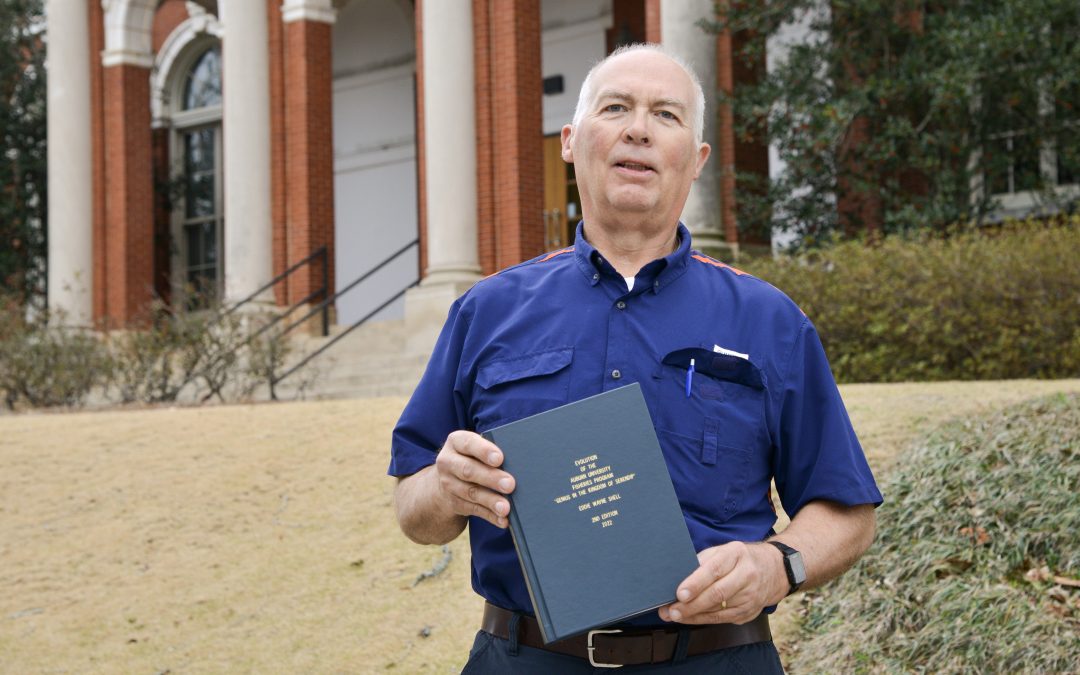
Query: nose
(637, 131)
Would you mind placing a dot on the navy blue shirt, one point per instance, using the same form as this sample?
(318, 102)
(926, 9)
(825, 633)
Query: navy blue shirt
(562, 327)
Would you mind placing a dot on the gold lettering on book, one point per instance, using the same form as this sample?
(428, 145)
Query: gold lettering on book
(589, 486)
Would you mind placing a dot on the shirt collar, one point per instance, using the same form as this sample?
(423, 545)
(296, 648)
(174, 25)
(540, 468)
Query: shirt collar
(660, 273)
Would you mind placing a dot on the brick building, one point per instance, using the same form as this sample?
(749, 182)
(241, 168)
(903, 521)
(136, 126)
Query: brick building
(215, 144)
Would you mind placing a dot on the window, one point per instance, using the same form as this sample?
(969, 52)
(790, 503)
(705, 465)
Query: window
(198, 223)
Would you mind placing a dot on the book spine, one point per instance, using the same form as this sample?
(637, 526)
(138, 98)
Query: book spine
(532, 584)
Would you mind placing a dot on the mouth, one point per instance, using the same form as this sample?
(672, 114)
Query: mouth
(636, 167)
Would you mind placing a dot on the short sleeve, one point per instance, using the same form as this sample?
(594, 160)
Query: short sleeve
(436, 407)
(818, 455)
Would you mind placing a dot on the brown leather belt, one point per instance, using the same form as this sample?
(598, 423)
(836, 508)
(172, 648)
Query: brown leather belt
(631, 646)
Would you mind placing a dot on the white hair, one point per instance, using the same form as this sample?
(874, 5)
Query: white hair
(697, 107)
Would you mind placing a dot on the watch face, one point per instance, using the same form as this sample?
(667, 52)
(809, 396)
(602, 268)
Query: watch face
(797, 570)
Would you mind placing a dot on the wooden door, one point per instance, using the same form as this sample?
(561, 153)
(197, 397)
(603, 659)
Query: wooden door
(562, 205)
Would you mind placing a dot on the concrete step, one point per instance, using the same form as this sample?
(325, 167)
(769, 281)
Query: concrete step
(369, 361)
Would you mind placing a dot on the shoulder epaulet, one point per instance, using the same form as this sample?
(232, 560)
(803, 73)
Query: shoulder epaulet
(539, 259)
(701, 257)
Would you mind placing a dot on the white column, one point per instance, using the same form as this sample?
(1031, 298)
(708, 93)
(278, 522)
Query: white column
(680, 33)
(70, 166)
(450, 142)
(449, 168)
(246, 129)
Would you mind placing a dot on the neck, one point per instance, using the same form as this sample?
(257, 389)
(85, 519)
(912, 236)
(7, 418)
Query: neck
(630, 249)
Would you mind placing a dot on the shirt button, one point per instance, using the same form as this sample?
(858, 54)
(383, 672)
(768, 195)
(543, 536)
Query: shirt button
(616, 374)
(620, 304)
(595, 277)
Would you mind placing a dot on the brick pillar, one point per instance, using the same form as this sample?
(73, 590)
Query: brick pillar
(278, 185)
(309, 153)
(97, 153)
(509, 124)
(652, 21)
(129, 206)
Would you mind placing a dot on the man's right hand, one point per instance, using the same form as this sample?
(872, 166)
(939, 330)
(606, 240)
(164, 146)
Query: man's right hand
(470, 479)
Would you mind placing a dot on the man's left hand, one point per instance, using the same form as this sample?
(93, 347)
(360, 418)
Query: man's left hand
(733, 583)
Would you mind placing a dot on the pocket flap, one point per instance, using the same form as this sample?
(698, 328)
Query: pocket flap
(521, 367)
(720, 366)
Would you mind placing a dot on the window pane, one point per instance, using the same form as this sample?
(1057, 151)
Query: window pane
(199, 179)
(203, 86)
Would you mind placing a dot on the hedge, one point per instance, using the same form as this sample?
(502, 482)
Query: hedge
(977, 304)
(976, 566)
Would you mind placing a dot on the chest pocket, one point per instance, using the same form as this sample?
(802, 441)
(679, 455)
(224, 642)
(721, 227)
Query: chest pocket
(716, 440)
(509, 389)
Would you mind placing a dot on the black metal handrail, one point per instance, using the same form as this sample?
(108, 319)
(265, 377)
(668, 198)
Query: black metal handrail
(324, 305)
(321, 252)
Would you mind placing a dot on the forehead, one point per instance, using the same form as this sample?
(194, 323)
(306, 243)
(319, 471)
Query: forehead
(647, 75)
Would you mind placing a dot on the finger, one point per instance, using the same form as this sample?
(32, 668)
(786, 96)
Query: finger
(475, 445)
(479, 510)
(716, 604)
(466, 468)
(715, 563)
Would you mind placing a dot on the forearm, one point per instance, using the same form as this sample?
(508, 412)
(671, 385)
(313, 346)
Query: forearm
(830, 537)
(423, 513)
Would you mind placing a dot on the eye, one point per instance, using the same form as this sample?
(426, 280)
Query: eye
(668, 115)
(615, 107)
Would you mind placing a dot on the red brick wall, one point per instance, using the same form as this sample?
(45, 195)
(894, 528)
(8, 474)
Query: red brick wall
(309, 152)
(97, 150)
(129, 208)
(169, 15)
(509, 125)
(652, 20)
(277, 146)
(485, 139)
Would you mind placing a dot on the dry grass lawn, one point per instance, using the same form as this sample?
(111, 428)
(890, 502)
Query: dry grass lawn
(262, 539)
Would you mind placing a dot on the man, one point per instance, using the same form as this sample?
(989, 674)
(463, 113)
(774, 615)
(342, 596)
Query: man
(605, 313)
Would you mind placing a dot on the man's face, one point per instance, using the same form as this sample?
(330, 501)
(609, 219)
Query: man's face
(633, 151)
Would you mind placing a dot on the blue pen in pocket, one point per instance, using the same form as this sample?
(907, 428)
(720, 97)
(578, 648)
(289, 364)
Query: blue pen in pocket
(689, 377)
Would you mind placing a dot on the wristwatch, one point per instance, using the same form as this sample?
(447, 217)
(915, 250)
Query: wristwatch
(793, 565)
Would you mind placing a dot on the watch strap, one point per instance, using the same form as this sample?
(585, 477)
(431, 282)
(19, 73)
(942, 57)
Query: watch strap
(788, 554)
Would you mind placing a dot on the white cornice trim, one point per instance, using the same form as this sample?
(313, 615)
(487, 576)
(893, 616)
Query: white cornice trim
(308, 10)
(122, 57)
(127, 32)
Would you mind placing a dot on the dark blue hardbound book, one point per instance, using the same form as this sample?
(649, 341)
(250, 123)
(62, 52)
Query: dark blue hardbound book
(594, 517)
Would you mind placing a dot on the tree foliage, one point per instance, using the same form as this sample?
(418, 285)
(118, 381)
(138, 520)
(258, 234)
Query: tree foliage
(23, 199)
(915, 112)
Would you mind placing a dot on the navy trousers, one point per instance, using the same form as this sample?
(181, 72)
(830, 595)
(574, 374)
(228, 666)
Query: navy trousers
(493, 655)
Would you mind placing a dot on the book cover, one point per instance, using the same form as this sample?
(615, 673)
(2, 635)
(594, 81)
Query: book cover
(594, 516)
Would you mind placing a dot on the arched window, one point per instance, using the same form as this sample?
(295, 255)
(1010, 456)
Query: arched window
(199, 216)
(202, 84)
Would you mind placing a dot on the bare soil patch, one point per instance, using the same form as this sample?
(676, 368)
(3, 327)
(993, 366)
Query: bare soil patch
(262, 539)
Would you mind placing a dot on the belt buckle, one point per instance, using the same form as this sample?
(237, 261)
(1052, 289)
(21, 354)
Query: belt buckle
(590, 648)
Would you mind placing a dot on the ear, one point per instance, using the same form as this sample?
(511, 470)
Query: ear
(703, 155)
(566, 136)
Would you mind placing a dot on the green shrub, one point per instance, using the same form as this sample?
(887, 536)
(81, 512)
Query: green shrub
(46, 366)
(189, 357)
(974, 559)
(994, 304)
